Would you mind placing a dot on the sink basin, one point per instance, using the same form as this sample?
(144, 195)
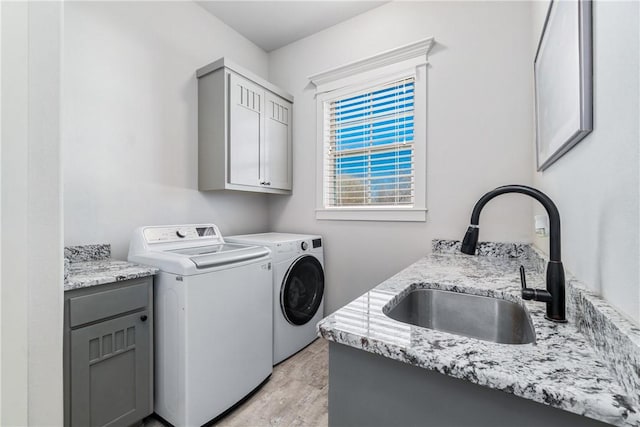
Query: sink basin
(484, 318)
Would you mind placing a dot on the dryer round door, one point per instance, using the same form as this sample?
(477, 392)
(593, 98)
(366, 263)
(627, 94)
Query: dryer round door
(302, 290)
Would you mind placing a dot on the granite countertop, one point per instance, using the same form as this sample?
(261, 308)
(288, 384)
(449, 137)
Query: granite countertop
(571, 366)
(92, 265)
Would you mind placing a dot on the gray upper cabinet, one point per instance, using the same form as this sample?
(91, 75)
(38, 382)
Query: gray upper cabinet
(244, 131)
(109, 354)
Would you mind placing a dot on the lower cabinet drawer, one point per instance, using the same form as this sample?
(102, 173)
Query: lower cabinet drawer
(101, 305)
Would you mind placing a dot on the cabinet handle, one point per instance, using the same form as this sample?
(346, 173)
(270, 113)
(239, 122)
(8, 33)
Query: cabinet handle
(267, 183)
(143, 317)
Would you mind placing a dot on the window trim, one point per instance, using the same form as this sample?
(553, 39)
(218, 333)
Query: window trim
(406, 61)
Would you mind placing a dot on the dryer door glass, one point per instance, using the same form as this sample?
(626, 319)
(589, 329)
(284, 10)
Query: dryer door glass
(302, 290)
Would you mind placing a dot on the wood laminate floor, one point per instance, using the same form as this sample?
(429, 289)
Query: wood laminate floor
(295, 395)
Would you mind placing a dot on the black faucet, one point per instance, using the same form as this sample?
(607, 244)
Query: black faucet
(554, 295)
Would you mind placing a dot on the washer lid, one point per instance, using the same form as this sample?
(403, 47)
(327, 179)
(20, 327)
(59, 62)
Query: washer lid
(217, 255)
(189, 248)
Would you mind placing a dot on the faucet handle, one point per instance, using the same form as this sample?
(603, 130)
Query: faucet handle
(532, 294)
(526, 292)
(523, 278)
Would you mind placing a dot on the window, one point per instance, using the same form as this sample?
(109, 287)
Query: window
(369, 147)
(372, 137)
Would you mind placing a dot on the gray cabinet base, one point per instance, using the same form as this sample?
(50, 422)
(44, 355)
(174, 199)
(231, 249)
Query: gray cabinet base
(108, 354)
(370, 390)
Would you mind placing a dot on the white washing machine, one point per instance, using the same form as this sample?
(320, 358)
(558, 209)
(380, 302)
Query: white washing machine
(213, 335)
(298, 288)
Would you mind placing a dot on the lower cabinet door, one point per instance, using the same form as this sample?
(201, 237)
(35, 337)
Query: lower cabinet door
(110, 372)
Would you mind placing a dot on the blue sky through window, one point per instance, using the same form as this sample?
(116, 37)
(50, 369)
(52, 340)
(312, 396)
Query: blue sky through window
(372, 136)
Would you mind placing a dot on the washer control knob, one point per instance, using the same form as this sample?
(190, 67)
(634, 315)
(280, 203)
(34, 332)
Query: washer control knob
(181, 234)
(304, 246)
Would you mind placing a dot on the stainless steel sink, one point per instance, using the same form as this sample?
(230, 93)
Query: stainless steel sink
(484, 318)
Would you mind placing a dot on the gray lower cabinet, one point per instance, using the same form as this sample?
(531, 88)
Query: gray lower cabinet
(109, 354)
(370, 390)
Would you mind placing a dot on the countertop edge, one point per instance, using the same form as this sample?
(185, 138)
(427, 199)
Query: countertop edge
(104, 271)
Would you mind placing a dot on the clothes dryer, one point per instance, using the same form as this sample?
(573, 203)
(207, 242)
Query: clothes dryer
(298, 288)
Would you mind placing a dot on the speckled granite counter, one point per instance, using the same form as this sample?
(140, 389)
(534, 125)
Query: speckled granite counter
(92, 265)
(589, 366)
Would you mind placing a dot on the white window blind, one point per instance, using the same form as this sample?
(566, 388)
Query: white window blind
(369, 147)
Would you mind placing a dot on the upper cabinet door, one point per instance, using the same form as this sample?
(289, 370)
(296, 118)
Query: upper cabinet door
(276, 147)
(246, 104)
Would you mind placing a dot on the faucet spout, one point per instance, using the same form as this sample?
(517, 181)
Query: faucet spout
(555, 270)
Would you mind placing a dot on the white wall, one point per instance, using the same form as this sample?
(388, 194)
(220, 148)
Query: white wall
(14, 335)
(130, 94)
(479, 132)
(31, 362)
(130, 120)
(595, 185)
(1, 91)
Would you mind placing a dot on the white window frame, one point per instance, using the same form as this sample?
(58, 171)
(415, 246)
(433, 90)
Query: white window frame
(395, 64)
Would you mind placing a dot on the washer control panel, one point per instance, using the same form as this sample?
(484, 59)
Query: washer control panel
(180, 233)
